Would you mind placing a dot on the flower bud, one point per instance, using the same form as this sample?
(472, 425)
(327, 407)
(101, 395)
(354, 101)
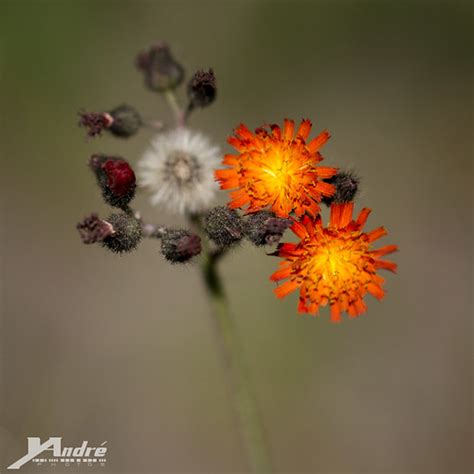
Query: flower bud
(161, 70)
(224, 226)
(127, 233)
(123, 121)
(264, 228)
(179, 246)
(116, 179)
(202, 89)
(126, 121)
(347, 185)
(92, 229)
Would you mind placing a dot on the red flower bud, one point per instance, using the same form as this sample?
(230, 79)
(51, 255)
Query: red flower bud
(120, 176)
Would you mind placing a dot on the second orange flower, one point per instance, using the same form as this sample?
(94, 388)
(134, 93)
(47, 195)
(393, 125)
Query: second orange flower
(277, 170)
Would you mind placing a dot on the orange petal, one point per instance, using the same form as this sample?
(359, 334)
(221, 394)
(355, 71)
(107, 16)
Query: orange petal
(288, 129)
(304, 129)
(281, 274)
(326, 189)
(375, 290)
(384, 251)
(286, 288)
(335, 312)
(346, 214)
(316, 143)
(386, 265)
(362, 218)
(377, 234)
(325, 172)
(239, 198)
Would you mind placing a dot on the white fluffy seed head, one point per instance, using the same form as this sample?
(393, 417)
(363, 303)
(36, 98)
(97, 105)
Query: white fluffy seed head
(178, 170)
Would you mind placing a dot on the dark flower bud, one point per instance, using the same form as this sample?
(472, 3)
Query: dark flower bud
(179, 246)
(126, 121)
(224, 226)
(123, 121)
(202, 89)
(116, 179)
(127, 233)
(92, 229)
(161, 70)
(95, 122)
(264, 228)
(347, 185)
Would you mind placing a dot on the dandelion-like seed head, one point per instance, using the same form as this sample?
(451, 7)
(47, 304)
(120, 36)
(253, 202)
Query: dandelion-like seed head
(276, 169)
(333, 265)
(177, 170)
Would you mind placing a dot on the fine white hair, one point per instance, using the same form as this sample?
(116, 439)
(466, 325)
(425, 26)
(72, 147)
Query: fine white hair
(177, 170)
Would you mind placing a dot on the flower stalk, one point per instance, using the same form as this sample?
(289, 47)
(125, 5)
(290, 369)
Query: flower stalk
(245, 404)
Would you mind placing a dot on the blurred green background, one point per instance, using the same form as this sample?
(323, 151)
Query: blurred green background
(97, 347)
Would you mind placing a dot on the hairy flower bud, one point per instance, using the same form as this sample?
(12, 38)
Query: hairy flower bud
(347, 185)
(224, 226)
(126, 121)
(264, 228)
(116, 179)
(123, 121)
(179, 246)
(202, 89)
(161, 70)
(128, 233)
(92, 229)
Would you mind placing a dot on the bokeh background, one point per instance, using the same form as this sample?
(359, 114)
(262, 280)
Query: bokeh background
(97, 347)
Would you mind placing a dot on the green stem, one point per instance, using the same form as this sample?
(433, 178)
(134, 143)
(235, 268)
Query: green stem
(172, 100)
(246, 409)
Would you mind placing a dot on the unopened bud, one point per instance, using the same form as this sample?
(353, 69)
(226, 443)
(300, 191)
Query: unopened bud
(123, 121)
(116, 179)
(179, 246)
(346, 184)
(127, 234)
(202, 89)
(264, 228)
(161, 70)
(126, 121)
(224, 226)
(93, 230)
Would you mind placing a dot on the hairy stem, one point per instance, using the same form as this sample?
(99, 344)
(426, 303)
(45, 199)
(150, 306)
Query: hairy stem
(245, 405)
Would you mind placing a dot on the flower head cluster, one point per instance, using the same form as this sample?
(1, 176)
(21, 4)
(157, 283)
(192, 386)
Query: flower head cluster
(275, 179)
(277, 169)
(333, 265)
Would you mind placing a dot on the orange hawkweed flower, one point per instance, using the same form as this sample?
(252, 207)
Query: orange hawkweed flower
(276, 169)
(334, 264)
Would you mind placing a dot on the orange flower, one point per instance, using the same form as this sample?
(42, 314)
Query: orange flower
(333, 264)
(277, 169)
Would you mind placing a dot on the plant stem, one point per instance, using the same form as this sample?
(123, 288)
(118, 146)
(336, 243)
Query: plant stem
(172, 100)
(245, 405)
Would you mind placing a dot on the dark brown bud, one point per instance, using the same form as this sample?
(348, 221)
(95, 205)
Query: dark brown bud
(347, 186)
(202, 89)
(93, 230)
(179, 246)
(264, 228)
(224, 226)
(161, 70)
(127, 234)
(126, 121)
